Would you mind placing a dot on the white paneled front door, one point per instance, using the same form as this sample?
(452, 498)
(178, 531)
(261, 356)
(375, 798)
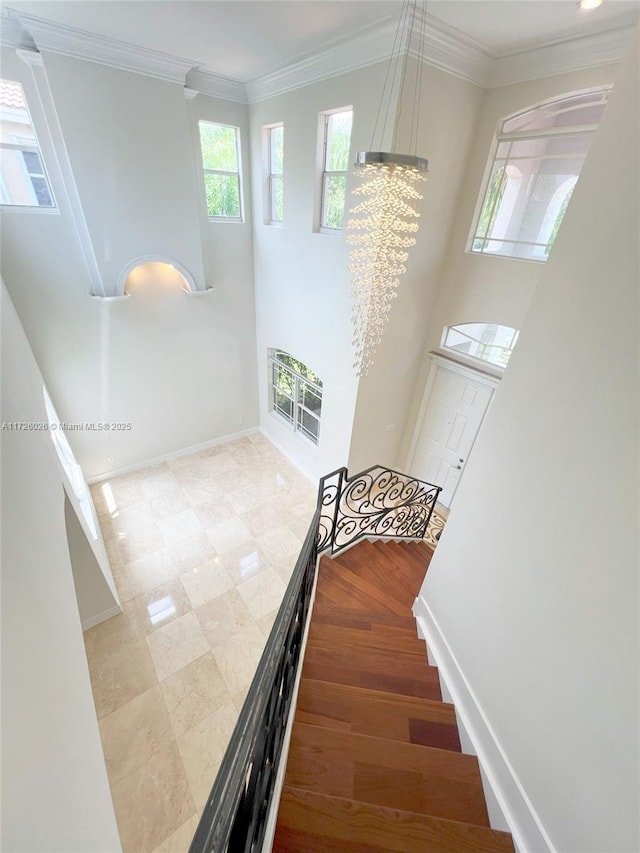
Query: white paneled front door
(454, 409)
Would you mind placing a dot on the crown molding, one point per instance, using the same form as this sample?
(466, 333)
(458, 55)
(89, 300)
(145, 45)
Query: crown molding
(367, 47)
(450, 50)
(575, 54)
(79, 44)
(444, 48)
(216, 86)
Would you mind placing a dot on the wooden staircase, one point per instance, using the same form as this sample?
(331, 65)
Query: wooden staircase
(375, 763)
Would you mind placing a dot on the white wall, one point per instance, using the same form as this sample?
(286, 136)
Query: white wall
(531, 600)
(302, 282)
(96, 600)
(180, 370)
(52, 763)
(481, 288)
(303, 300)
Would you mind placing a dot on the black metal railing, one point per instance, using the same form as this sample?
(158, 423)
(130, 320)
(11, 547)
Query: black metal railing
(376, 502)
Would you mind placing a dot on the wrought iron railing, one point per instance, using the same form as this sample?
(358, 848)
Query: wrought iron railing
(376, 502)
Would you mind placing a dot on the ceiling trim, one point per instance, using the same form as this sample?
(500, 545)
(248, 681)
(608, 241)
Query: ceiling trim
(445, 48)
(79, 44)
(216, 86)
(575, 54)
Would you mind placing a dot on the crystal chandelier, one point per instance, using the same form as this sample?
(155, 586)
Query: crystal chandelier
(383, 224)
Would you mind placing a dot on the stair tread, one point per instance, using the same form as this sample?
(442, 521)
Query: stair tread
(422, 779)
(374, 669)
(367, 569)
(354, 586)
(315, 823)
(386, 639)
(377, 713)
(350, 618)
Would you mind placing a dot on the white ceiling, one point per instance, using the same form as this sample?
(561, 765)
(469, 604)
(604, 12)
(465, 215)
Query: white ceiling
(246, 39)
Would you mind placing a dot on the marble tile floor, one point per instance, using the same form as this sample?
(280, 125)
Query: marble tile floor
(201, 549)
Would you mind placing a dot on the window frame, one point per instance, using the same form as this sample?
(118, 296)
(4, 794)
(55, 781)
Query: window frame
(237, 174)
(510, 137)
(272, 176)
(325, 173)
(27, 147)
(295, 421)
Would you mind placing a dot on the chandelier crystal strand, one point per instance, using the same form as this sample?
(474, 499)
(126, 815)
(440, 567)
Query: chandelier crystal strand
(382, 228)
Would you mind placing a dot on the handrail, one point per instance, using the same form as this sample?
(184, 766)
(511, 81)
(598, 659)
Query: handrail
(377, 502)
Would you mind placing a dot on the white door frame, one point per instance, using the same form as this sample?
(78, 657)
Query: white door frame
(442, 361)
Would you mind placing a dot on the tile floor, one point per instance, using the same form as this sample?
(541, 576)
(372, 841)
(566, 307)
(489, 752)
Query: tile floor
(201, 549)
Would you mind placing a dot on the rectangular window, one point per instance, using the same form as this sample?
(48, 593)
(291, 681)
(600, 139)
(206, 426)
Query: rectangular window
(296, 394)
(220, 145)
(275, 138)
(23, 179)
(335, 167)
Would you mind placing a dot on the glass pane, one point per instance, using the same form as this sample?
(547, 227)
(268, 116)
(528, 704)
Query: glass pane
(308, 424)
(298, 367)
(485, 341)
(573, 146)
(20, 188)
(283, 405)
(338, 141)
(527, 198)
(277, 199)
(219, 148)
(576, 110)
(310, 398)
(283, 379)
(15, 123)
(41, 190)
(223, 195)
(276, 139)
(333, 201)
(492, 200)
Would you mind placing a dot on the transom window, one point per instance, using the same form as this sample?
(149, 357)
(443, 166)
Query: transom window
(487, 342)
(335, 168)
(539, 156)
(220, 146)
(275, 146)
(23, 179)
(296, 394)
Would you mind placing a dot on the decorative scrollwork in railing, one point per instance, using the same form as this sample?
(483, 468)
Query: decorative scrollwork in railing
(376, 502)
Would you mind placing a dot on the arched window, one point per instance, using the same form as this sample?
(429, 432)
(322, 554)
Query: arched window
(538, 159)
(296, 394)
(487, 342)
(154, 276)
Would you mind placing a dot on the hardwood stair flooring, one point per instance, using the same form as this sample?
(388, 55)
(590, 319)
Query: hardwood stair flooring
(375, 762)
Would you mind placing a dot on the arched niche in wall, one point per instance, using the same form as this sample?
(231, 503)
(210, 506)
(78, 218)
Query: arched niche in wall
(154, 275)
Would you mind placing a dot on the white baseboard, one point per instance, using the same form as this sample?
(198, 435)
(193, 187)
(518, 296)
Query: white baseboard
(507, 801)
(175, 454)
(101, 617)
